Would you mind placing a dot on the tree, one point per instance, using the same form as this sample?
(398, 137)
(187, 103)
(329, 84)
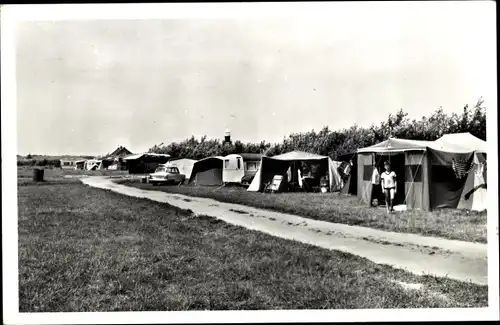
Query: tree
(346, 141)
(238, 146)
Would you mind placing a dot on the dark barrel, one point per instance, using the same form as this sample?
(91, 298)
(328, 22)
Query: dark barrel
(38, 175)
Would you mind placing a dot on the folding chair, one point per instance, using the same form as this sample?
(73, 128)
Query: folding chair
(274, 185)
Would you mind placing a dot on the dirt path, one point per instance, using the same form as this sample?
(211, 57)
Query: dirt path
(459, 260)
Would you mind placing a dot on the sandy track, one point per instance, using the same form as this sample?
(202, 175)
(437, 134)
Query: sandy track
(458, 260)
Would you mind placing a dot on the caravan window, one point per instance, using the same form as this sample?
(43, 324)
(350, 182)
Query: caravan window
(239, 162)
(226, 163)
(251, 166)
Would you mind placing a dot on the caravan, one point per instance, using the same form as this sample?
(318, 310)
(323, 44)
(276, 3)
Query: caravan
(240, 168)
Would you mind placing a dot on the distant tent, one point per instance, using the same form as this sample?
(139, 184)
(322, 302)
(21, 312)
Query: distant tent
(93, 164)
(431, 174)
(145, 162)
(184, 165)
(288, 164)
(207, 171)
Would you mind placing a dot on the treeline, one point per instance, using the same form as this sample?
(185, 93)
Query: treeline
(346, 141)
(39, 162)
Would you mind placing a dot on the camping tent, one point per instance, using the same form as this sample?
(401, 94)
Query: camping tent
(287, 164)
(474, 194)
(433, 174)
(145, 162)
(184, 165)
(93, 164)
(207, 171)
(466, 141)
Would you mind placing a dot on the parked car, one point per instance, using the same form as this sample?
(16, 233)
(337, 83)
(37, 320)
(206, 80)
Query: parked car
(166, 175)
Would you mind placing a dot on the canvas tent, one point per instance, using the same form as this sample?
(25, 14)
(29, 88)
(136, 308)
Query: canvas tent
(145, 162)
(474, 194)
(184, 165)
(207, 171)
(465, 141)
(287, 165)
(93, 164)
(431, 174)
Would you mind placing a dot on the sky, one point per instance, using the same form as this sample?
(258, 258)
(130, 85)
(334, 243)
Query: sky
(88, 86)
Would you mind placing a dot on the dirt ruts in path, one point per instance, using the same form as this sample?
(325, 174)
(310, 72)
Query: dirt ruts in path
(459, 260)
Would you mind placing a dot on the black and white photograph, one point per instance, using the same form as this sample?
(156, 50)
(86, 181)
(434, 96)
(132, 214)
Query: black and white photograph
(249, 162)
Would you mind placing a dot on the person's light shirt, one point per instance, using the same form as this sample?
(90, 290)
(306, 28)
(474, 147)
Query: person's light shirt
(388, 179)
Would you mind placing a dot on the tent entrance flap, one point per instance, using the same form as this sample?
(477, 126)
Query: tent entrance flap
(365, 171)
(414, 180)
(474, 194)
(446, 187)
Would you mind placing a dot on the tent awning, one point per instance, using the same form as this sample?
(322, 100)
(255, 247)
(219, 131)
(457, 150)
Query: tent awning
(137, 156)
(298, 155)
(396, 145)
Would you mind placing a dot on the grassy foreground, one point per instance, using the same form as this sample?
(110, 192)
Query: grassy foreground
(85, 249)
(334, 207)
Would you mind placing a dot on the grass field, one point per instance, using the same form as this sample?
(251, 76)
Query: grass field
(334, 207)
(85, 249)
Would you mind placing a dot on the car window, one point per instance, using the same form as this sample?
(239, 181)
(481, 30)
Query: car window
(172, 170)
(160, 169)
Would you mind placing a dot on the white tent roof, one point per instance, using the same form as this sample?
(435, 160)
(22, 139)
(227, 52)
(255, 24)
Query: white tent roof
(397, 145)
(136, 156)
(298, 155)
(458, 142)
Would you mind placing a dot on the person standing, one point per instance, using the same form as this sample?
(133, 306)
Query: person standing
(389, 186)
(376, 188)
